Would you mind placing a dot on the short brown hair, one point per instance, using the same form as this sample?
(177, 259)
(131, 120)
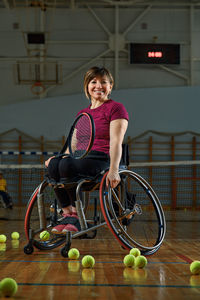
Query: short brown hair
(95, 72)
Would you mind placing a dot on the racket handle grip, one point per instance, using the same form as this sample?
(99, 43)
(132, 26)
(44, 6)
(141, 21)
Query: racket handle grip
(81, 215)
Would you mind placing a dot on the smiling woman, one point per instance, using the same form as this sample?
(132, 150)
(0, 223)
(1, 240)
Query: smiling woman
(99, 89)
(98, 84)
(111, 121)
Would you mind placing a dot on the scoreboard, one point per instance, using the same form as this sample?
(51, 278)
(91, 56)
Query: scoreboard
(154, 53)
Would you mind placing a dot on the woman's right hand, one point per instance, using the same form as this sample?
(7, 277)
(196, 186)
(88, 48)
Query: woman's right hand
(48, 161)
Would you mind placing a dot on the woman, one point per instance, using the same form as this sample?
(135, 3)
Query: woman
(111, 121)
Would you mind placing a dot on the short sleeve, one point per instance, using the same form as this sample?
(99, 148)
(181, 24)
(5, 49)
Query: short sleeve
(118, 111)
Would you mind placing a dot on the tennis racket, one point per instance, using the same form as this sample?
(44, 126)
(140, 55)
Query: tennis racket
(81, 137)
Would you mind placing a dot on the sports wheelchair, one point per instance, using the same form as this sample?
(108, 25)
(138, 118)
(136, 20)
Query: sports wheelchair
(5, 200)
(131, 211)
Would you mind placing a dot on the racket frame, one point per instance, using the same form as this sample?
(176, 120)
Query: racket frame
(67, 143)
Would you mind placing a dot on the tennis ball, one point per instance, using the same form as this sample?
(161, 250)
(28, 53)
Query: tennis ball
(129, 260)
(3, 238)
(73, 253)
(135, 252)
(195, 267)
(44, 235)
(88, 261)
(15, 235)
(8, 287)
(140, 261)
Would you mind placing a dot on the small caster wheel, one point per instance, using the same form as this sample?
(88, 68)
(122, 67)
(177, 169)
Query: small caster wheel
(64, 251)
(28, 249)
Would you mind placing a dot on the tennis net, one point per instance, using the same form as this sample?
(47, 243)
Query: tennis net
(22, 180)
(177, 184)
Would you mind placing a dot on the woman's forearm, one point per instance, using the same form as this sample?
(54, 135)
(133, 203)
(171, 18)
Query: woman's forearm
(115, 155)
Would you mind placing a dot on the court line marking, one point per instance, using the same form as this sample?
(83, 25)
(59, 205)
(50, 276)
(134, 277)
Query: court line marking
(109, 285)
(75, 261)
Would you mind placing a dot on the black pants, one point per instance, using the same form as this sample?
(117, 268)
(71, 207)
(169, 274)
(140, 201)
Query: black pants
(69, 169)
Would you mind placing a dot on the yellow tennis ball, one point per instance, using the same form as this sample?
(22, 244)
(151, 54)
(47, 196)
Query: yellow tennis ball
(8, 287)
(135, 252)
(129, 260)
(15, 235)
(73, 253)
(44, 235)
(3, 238)
(195, 267)
(140, 261)
(88, 261)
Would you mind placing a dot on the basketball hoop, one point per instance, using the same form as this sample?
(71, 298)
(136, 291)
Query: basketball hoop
(38, 88)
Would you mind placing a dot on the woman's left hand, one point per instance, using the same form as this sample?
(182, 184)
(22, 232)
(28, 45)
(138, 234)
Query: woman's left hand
(113, 179)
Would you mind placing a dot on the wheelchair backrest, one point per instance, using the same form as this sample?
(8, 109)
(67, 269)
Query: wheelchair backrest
(125, 155)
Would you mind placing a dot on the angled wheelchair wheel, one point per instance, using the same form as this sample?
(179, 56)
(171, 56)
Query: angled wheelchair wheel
(133, 213)
(41, 214)
(2, 203)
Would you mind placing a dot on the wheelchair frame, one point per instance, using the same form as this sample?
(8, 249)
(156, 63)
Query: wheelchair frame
(126, 219)
(3, 203)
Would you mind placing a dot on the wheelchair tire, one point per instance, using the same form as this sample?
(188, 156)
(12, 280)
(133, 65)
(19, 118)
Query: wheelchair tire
(2, 203)
(28, 249)
(133, 213)
(64, 251)
(32, 224)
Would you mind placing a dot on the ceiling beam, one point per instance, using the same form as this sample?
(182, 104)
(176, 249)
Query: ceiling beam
(6, 4)
(76, 4)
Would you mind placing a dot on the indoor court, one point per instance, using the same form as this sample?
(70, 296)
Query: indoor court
(47, 275)
(151, 48)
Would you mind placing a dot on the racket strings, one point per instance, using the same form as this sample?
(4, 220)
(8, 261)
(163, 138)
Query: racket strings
(81, 136)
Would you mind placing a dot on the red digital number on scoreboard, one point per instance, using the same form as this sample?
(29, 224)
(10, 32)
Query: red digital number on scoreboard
(155, 54)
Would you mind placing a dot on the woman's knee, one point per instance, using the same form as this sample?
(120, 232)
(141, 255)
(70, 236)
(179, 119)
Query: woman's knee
(53, 167)
(66, 167)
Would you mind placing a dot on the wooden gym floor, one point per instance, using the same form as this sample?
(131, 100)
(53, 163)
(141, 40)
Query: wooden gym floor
(47, 275)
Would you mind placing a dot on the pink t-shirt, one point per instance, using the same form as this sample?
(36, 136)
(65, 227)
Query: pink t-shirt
(110, 110)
